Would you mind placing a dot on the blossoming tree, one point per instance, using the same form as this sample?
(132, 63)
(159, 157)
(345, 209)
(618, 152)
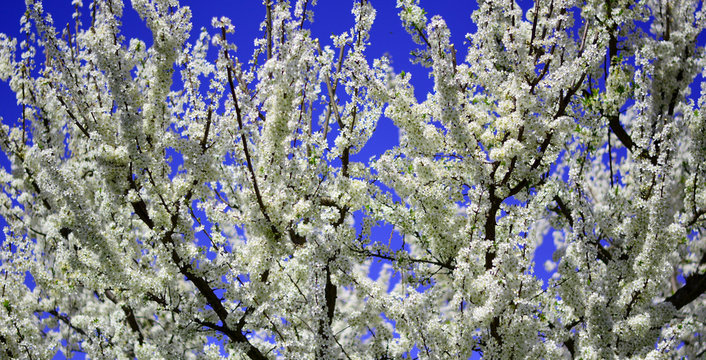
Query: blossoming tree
(572, 119)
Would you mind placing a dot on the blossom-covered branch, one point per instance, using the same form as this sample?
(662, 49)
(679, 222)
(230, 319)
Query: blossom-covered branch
(161, 197)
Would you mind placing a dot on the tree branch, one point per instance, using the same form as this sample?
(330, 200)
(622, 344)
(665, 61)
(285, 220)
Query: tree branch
(244, 140)
(694, 287)
(129, 316)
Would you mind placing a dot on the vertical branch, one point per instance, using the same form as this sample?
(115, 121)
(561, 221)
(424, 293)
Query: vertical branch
(268, 6)
(534, 28)
(610, 158)
(24, 116)
(244, 140)
(330, 294)
(71, 47)
(332, 107)
(301, 25)
(78, 16)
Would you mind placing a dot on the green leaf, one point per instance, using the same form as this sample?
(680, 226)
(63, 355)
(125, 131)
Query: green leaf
(6, 305)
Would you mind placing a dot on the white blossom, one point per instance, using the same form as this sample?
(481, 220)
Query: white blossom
(154, 216)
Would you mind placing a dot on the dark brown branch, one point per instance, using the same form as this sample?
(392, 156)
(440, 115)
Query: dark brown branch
(213, 300)
(421, 35)
(534, 27)
(619, 131)
(564, 210)
(694, 287)
(330, 292)
(494, 325)
(244, 140)
(24, 116)
(695, 218)
(7, 348)
(139, 206)
(71, 115)
(489, 227)
(513, 162)
(66, 320)
(204, 287)
(252, 352)
(205, 133)
(379, 255)
(268, 6)
(129, 316)
(610, 159)
(233, 334)
(301, 25)
(332, 105)
(569, 343)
